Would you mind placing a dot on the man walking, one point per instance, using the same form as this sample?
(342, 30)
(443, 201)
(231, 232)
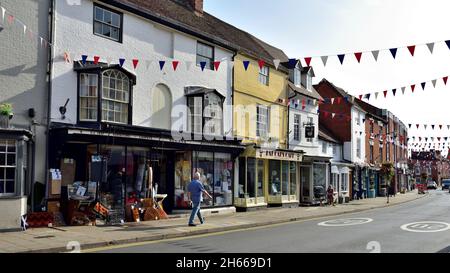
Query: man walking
(195, 195)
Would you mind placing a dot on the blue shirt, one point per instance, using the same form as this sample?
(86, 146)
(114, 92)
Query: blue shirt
(196, 189)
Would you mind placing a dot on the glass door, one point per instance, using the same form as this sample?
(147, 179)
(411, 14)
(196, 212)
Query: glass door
(305, 183)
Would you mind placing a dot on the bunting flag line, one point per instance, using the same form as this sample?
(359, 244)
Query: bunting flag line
(393, 52)
(121, 62)
(217, 65)
(358, 56)
(202, 66)
(246, 64)
(341, 58)
(276, 63)
(135, 63)
(175, 65)
(162, 63)
(412, 49)
(324, 60)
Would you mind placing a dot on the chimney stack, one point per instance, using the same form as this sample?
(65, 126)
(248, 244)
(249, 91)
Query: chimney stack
(197, 5)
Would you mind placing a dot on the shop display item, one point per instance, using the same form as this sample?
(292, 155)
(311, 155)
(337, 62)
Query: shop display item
(116, 217)
(40, 219)
(101, 210)
(53, 206)
(68, 171)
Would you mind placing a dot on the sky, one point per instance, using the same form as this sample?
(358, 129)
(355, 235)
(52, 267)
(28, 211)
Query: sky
(303, 28)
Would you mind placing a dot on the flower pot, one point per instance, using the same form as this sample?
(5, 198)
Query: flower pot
(4, 121)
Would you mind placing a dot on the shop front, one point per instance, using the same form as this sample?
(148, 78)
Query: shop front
(314, 179)
(340, 179)
(122, 167)
(374, 181)
(267, 177)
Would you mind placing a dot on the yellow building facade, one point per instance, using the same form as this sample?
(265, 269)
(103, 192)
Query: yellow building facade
(267, 171)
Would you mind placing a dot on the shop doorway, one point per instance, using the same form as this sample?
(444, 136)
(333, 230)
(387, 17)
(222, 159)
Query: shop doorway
(305, 184)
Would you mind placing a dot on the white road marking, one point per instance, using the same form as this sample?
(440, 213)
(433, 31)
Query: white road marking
(345, 222)
(427, 226)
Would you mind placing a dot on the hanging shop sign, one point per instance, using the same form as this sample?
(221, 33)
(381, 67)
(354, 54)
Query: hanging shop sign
(279, 155)
(309, 132)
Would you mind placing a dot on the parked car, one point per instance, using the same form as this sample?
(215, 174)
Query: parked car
(445, 184)
(432, 185)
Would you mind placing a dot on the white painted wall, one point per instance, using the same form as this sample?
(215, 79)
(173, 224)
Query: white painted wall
(143, 40)
(356, 128)
(310, 111)
(11, 210)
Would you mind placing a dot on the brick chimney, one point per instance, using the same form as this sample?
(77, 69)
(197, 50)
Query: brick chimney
(197, 5)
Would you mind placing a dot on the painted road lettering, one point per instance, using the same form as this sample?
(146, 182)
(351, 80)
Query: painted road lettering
(426, 226)
(345, 222)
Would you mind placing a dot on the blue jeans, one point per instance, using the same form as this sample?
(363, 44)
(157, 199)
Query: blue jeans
(196, 211)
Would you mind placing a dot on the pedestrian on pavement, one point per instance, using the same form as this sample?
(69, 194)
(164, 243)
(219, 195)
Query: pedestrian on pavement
(195, 195)
(330, 195)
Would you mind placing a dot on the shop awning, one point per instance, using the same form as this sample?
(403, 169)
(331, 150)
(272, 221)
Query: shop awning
(143, 137)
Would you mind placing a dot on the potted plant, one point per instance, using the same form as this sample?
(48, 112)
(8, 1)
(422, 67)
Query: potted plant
(6, 113)
(387, 171)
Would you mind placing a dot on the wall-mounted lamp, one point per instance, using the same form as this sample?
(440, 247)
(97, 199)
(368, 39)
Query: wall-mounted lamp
(63, 110)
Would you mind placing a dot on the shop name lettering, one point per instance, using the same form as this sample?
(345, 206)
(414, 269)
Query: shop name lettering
(277, 154)
(187, 263)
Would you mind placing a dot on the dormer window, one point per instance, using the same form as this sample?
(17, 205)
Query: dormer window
(308, 82)
(297, 77)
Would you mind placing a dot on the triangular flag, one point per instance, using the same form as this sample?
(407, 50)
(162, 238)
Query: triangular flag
(409, 125)
(188, 65)
(434, 83)
(412, 49)
(425, 126)
(376, 95)
(96, 59)
(333, 114)
(148, 63)
(261, 64)
(292, 63)
(308, 61)
(332, 100)
(358, 56)
(448, 43)
(216, 65)
(341, 58)
(393, 52)
(448, 127)
(324, 60)
(246, 64)
(84, 59)
(360, 97)
(367, 96)
(175, 65)
(375, 54)
(338, 100)
(161, 65)
(432, 126)
(430, 47)
(276, 63)
(445, 79)
(403, 90)
(423, 85)
(385, 93)
(440, 126)
(394, 91)
(135, 63)
(413, 87)
(10, 19)
(121, 62)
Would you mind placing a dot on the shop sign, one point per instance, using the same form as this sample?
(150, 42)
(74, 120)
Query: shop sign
(309, 132)
(279, 155)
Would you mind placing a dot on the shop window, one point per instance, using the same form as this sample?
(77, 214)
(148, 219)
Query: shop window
(7, 167)
(285, 177)
(274, 177)
(293, 178)
(204, 164)
(223, 180)
(107, 23)
(161, 107)
(261, 176)
(320, 175)
(113, 190)
(182, 178)
(88, 97)
(335, 181)
(242, 177)
(251, 177)
(115, 97)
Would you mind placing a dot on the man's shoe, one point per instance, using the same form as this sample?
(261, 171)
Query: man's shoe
(203, 220)
(192, 225)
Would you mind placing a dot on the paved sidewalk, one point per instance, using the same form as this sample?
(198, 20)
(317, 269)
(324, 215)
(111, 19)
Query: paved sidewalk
(56, 239)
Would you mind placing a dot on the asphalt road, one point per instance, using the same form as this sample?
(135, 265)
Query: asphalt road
(382, 232)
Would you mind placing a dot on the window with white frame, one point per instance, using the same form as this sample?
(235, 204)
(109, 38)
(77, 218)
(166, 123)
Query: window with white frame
(344, 182)
(324, 147)
(195, 105)
(358, 148)
(107, 23)
(297, 120)
(213, 114)
(358, 119)
(88, 97)
(335, 181)
(8, 167)
(263, 76)
(262, 120)
(310, 121)
(115, 96)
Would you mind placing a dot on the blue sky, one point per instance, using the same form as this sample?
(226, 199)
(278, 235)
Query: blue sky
(305, 28)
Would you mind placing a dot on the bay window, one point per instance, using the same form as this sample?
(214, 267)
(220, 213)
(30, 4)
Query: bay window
(205, 113)
(104, 95)
(7, 167)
